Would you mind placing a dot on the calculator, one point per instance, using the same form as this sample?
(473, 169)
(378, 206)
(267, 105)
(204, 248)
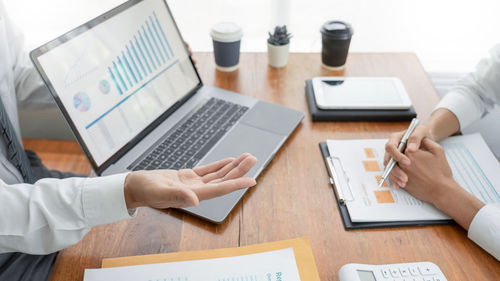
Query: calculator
(417, 271)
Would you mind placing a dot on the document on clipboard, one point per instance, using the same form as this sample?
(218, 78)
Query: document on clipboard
(355, 168)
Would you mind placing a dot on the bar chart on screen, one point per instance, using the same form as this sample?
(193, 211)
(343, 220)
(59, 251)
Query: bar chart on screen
(147, 52)
(119, 76)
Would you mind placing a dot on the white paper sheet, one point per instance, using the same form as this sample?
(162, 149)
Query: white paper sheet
(474, 167)
(277, 265)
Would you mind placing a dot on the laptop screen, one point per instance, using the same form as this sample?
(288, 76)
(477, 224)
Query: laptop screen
(117, 77)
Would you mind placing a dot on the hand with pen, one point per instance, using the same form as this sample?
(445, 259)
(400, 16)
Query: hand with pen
(423, 171)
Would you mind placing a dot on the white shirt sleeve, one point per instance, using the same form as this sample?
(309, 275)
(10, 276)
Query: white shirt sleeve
(484, 229)
(53, 214)
(476, 94)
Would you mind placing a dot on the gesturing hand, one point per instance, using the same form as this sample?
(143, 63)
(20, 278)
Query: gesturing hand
(169, 188)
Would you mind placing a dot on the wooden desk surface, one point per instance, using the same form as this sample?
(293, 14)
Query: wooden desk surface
(293, 197)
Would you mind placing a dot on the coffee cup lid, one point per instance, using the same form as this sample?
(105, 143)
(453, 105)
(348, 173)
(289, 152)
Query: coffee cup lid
(337, 30)
(226, 32)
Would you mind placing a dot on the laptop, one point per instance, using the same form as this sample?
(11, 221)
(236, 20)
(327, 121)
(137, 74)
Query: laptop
(132, 96)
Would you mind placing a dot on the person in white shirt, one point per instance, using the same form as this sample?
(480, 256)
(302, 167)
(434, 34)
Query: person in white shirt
(422, 169)
(51, 213)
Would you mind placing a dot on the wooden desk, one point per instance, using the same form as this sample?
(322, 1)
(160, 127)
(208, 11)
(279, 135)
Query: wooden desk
(293, 197)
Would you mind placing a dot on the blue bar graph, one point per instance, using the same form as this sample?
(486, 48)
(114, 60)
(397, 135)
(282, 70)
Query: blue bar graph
(159, 39)
(163, 34)
(124, 71)
(142, 54)
(133, 63)
(156, 43)
(148, 52)
(114, 80)
(128, 66)
(120, 76)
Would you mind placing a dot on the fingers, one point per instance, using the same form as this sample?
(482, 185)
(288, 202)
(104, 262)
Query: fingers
(431, 146)
(212, 167)
(398, 177)
(189, 48)
(240, 170)
(212, 190)
(415, 139)
(224, 170)
(190, 52)
(391, 148)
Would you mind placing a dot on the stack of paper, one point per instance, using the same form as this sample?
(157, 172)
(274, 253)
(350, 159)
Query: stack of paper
(289, 260)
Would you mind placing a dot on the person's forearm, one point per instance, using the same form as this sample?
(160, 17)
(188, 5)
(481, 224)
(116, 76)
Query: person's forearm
(458, 204)
(53, 214)
(442, 124)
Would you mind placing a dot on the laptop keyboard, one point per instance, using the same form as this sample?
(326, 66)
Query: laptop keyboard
(190, 140)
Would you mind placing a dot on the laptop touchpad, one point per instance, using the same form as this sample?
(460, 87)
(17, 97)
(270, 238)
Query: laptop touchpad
(273, 118)
(243, 138)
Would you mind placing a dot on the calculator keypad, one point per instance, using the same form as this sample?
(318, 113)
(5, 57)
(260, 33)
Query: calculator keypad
(410, 273)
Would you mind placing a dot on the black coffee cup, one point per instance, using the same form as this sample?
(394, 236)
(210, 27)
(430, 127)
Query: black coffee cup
(336, 38)
(226, 37)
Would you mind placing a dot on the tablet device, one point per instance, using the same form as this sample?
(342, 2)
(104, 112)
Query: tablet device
(360, 93)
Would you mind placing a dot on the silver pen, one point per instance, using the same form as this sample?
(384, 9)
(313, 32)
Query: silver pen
(401, 148)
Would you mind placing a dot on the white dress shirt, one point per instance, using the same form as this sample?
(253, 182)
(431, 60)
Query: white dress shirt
(471, 99)
(51, 214)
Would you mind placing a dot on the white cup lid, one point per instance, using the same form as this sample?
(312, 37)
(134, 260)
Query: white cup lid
(226, 32)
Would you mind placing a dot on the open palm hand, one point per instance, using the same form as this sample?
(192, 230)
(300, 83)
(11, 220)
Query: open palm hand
(187, 187)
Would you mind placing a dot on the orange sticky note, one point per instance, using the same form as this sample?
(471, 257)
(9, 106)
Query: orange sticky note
(371, 166)
(369, 153)
(384, 196)
(379, 178)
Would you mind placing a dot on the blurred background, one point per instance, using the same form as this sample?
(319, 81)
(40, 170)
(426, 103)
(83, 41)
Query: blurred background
(448, 36)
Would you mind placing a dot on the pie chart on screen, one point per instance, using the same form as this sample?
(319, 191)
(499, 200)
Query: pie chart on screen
(104, 86)
(81, 101)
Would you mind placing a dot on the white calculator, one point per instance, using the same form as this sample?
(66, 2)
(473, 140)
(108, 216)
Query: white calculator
(418, 271)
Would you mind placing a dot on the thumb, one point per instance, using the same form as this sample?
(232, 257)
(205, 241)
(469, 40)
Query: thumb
(180, 198)
(431, 146)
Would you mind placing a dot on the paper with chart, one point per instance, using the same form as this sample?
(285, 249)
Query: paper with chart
(473, 165)
(279, 265)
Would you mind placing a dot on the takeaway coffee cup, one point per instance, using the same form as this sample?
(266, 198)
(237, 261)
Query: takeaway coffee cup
(226, 37)
(336, 38)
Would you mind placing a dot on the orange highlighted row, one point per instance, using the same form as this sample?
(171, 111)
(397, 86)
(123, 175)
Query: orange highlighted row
(379, 178)
(369, 153)
(371, 166)
(384, 196)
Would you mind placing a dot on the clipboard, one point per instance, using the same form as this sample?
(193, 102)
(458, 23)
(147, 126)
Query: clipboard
(343, 193)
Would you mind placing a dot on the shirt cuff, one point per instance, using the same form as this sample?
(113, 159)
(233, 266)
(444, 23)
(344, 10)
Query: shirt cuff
(104, 200)
(484, 229)
(461, 106)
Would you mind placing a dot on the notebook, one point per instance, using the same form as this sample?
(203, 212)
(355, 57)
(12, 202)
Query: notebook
(318, 114)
